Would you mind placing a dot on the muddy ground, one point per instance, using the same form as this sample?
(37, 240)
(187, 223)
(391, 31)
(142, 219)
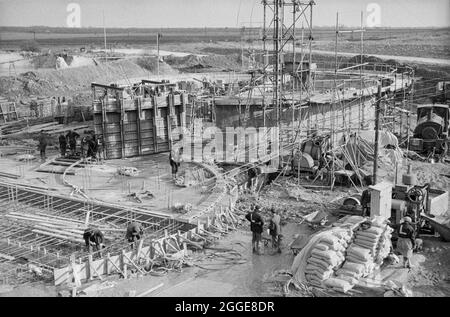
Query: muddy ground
(214, 272)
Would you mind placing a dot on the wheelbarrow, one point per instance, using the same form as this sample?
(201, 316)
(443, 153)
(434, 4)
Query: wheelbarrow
(299, 243)
(316, 219)
(266, 238)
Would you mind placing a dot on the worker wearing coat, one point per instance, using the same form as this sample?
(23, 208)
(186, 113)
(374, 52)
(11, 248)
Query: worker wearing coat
(72, 140)
(62, 145)
(406, 241)
(134, 232)
(175, 160)
(275, 230)
(256, 226)
(93, 238)
(42, 144)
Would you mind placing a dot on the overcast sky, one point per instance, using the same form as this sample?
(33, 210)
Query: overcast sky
(214, 13)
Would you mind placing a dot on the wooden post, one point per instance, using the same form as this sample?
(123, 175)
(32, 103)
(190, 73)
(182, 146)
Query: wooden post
(179, 237)
(107, 266)
(119, 100)
(151, 251)
(138, 125)
(139, 248)
(75, 275)
(89, 268)
(377, 123)
(124, 264)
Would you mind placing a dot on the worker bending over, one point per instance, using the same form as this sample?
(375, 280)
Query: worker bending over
(406, 241)
(256, 226)
(93, 238)
(134, 232)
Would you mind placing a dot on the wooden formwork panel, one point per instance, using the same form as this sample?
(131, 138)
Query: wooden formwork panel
(138, 126)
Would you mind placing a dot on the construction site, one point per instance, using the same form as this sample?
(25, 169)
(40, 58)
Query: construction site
(132, 166)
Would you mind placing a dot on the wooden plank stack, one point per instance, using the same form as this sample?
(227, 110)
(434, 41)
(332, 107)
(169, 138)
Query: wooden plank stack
(60, 227)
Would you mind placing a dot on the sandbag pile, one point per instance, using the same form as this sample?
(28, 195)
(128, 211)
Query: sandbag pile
(367, 251)
(337, 258)
(327, 254)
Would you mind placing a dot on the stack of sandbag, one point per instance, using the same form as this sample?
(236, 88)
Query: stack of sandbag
(327, 255)
(351, 272)
(360, 255)
(384, 243)
(368, 239)
(338, 284)
(368, 250)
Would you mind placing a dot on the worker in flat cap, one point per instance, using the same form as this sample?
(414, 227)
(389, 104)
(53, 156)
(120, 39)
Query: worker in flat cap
(406, 240)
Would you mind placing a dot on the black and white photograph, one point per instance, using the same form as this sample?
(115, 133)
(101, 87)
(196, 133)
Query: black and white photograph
(226, 155)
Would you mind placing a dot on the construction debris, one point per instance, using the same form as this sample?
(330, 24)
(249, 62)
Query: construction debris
(128, 171)
(182, 208)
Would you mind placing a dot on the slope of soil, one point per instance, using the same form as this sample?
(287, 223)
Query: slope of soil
(48, 82)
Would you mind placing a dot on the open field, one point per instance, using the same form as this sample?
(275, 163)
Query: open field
(390, 41)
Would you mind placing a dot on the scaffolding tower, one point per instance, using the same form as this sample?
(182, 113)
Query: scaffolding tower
(280, 40)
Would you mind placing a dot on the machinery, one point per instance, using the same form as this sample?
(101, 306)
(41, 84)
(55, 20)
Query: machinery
(443, 92)
(431, 135)
(420, 202)
(409, 200)
(313, 153)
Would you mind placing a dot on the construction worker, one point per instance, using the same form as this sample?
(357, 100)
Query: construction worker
(42, 144)
(252, 173)
(62, 144)
(93, 238)
(365, 203)
(134, 232)
(92, 146)
(406, 241)
(34, 107)
(83, 146)
(175, 160)
(275, 230)
(256, 226)
(72, 140)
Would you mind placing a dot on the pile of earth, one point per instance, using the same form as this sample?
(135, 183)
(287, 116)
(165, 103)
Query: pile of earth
(70, 81)
(195, 63)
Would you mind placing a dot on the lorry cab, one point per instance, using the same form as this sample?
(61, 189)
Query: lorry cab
(432, 129)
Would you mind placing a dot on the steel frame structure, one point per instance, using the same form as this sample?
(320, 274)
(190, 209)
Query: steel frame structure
(283, 25)
(19, 240)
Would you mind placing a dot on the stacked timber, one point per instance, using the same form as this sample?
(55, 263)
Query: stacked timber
(59, 227)
(18, 126)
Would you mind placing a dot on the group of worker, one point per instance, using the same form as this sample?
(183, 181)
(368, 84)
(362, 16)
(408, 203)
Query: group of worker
(94, 238)
(89, 144)
(257, 228)
(406, 243)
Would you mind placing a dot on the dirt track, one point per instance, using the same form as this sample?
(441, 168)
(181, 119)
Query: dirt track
(403, 59)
